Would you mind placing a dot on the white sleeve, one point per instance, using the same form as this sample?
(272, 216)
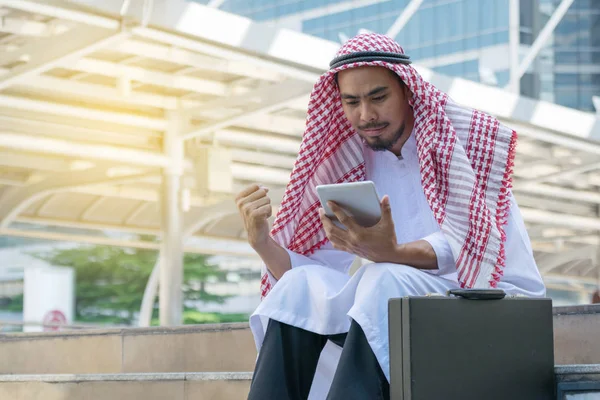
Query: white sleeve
(443, 253)
(326, 256)
(520, 269)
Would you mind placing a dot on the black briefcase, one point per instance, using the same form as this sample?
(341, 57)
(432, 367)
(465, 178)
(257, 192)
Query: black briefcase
(483, 348)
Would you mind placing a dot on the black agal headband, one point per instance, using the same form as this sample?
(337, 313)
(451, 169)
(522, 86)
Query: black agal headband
(365, 56)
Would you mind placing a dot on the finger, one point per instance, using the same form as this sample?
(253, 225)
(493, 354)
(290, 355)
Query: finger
(332, 231)
(250, 207)
(266, 189)
(341, 215)
(260, 202)
(325, 217)
(338, 241)
(338, 246)
(341, 244)
(262, 212)
(386, 208)
(252, 197)
(250, 190)
(327, 221)
(246, 192)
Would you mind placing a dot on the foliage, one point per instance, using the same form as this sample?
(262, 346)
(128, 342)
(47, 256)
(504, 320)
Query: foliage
(110, 283)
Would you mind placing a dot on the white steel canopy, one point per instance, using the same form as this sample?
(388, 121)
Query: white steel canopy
(107, 124)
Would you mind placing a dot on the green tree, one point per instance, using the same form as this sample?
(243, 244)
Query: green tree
(110, 283)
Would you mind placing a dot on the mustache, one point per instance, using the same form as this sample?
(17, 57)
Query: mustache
(373, 125)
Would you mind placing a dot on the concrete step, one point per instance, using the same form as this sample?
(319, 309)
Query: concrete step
(201, 348)
(172, 386)
(194, 386)
(578, 381)
(216, 348)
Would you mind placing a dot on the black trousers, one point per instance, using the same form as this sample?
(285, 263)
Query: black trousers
(288, 360)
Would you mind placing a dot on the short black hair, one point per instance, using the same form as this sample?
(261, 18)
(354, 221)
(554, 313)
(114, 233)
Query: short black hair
(402, 84)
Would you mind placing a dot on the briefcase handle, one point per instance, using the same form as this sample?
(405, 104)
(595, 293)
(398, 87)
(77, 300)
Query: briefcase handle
(478, 294)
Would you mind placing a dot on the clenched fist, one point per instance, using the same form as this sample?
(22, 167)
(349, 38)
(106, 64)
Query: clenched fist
(255, 207)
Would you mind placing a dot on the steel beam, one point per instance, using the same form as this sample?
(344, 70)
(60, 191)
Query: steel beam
(143, 75)
(325, 10)
(55, 126)
(263, 100)
(238, 138)
(106, 94)
(21, 142)
(563, 174)
(47, 53)
(557, 219)
(514, 43)
(44, 107)
(17, 26)
(230, 54)
(51, 8)
(207, 248)
(542, 38)
(193, 59)
(17, 199)
(550, 262)
(404, 17)
(216, 3)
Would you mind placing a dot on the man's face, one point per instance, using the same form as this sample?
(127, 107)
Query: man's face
(376, 104)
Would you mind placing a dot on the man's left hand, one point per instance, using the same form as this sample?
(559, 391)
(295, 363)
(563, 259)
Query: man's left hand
(376, 243)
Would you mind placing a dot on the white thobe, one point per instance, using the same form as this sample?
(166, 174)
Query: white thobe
(319, 295)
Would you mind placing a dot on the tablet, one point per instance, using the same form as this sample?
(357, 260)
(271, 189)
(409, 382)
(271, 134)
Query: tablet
(358, 199)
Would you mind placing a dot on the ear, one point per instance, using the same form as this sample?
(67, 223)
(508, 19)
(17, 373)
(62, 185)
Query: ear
(407, 92)
(408, 95)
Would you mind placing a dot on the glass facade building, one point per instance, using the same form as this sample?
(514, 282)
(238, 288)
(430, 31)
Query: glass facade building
(466, 38)
(571, 74)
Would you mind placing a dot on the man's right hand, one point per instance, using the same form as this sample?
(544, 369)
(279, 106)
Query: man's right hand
(255, 207)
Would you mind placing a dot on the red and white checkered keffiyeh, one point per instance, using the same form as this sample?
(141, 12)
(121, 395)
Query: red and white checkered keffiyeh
(466, 160)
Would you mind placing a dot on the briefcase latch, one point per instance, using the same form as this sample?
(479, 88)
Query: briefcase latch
(478, 294)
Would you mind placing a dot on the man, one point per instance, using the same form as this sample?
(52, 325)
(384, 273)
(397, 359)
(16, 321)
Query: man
(448, 221)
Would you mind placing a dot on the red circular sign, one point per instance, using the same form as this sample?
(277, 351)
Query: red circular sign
(54, 318)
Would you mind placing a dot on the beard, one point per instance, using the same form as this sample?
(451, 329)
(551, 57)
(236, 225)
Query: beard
(381, 144)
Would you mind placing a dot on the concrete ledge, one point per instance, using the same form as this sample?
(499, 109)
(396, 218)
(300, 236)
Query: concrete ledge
(76, 378)
(197, 348)
(5, 337)
(578, 373)
(583, 309)
(576, 338)
(580, 369)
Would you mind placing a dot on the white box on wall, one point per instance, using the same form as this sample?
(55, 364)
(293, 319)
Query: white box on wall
(48, 297)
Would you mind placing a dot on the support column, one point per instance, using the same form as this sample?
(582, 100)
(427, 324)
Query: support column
(514, 41)
(171, 261)
(147, 307)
